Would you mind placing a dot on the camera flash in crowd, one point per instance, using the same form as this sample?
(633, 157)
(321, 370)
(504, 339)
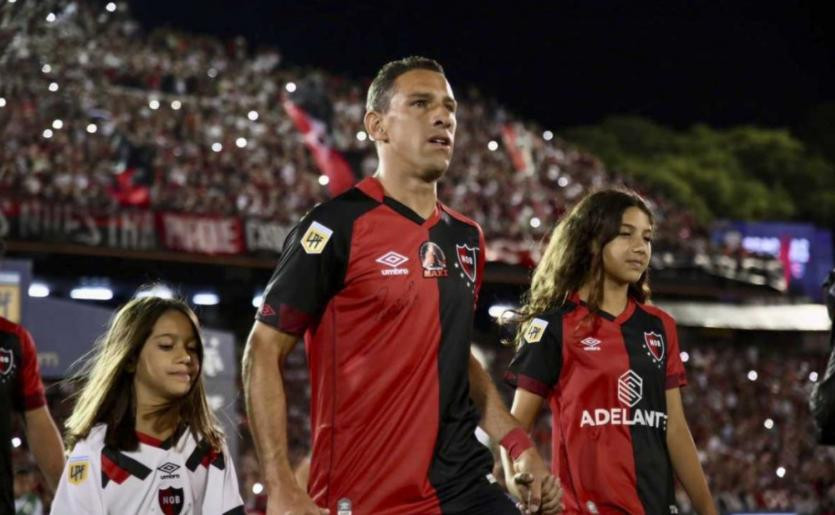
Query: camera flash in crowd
(252, 115)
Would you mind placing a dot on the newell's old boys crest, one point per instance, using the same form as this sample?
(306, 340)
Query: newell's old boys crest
(171, 500)
(655, 345)
(467, 259)
(6, 361)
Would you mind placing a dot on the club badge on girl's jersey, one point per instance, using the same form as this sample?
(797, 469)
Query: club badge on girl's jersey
(536, 329)
(654, 344)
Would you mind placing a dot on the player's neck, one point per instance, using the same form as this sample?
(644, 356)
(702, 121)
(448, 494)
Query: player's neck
(413, 192)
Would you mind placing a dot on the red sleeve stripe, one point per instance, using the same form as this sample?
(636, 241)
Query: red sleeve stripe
(34, 401)
(30, 374)
(288, 319)
(528, 383)
(676, 380)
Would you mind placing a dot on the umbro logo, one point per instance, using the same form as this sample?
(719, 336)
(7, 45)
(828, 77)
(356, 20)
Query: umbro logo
(393, 260)
(591, 344)
(168, 470)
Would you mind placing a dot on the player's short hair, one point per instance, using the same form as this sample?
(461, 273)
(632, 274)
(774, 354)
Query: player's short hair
(381, 88)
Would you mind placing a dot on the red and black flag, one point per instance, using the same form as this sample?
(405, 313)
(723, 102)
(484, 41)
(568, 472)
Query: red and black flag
(134, 174)
(312, 113)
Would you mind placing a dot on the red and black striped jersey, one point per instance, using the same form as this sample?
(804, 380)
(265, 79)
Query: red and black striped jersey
(605, 379)
(177, 476)
(21, 390)
(385, 301)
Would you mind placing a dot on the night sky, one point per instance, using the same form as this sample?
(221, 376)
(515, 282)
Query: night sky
(559, 62)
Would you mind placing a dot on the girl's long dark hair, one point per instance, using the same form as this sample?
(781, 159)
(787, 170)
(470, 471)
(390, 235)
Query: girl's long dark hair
(574, 255)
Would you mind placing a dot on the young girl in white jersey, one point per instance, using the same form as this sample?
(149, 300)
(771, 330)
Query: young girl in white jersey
(142, 437)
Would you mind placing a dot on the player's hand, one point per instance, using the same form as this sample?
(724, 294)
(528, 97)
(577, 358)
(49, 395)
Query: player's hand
(551, 496)
(533, 485)
(293, 501)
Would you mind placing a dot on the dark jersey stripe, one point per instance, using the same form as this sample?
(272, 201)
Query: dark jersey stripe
(654, 476)
(460, 462)
(120, 466)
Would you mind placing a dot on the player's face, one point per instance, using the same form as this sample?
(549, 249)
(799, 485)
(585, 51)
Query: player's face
(626, 257)
(169, 361)
(420, 123)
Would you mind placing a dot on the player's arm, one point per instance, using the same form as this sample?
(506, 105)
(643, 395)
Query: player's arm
(684, 456)
(266, 406)
(496, 421)
(45, 444)
(41, 433)
(523, 459)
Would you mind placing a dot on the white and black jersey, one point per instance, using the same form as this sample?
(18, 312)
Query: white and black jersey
(172, 477)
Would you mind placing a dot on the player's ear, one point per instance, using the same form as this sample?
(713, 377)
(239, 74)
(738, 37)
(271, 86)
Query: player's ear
(375, 126)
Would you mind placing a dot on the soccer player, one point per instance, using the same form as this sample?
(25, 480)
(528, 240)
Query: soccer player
(21, 391)
(608, 363)
(382, 282)
(142, 436)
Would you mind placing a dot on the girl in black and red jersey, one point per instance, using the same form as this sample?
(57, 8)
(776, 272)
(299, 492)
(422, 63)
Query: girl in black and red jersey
(608, 364)
(142, 438)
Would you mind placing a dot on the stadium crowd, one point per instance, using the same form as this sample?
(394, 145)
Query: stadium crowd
(199, 122)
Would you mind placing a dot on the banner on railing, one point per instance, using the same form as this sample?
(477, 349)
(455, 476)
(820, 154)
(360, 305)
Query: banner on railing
(140, 229)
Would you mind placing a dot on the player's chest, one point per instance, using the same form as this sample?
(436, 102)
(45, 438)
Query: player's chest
(413, 269)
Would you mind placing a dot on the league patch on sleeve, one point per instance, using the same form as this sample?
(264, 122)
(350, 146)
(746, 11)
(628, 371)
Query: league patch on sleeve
(536, 329)
(315, 238)
(77, 470)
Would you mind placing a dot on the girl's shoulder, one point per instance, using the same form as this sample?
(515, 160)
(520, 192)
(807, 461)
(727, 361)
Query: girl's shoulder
(654, 310)
(93, 443)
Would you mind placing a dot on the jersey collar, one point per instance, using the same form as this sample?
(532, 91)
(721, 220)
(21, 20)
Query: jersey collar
(619, 320)
(372, 187)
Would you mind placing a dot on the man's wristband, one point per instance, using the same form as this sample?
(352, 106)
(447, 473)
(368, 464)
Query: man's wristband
(516, 442)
